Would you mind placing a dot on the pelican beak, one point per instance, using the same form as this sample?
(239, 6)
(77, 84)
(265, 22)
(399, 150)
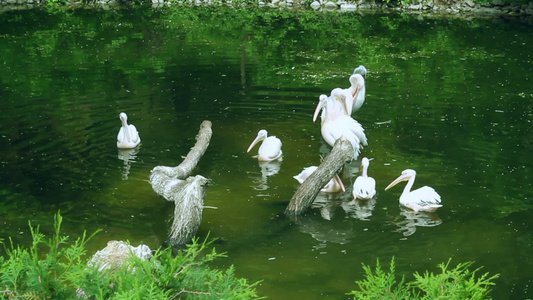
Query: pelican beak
(317, 110)
(344, 104)
(356, 92)
(337, 179)
(257, 140)
(397, 180)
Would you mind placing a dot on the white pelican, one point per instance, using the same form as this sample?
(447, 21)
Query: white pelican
(337, 124)
(333, 186)
(364, 187)
(270, 149)
(422, 199)
(356, 93)
(127, 137)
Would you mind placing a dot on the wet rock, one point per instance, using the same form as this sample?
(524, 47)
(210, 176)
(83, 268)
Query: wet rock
(348, 7)
(331, 5)
(116, 253)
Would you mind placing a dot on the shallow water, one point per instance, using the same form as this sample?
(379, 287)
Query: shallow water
(449, 98)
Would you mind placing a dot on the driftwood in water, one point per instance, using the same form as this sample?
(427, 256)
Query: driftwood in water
(191, 160)
(305, 195)
(187, 193)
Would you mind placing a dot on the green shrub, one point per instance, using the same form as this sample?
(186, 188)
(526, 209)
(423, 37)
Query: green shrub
(457, 283)
(56, 269)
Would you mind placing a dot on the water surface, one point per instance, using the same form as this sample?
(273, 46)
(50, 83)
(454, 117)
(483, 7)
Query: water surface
(450, 98)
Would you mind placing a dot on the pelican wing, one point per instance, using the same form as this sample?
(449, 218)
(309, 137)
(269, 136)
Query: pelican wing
(422, 199)
(270, 149)
(306, 172)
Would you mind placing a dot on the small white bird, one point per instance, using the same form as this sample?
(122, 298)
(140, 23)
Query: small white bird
(422, 199)
(270, 149)
(364, 187)
(127, 137)
(333, 186)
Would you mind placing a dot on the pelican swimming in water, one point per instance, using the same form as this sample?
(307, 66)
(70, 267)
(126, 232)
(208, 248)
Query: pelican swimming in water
(364, 187)
(127, 137)
(270, 149)
(333, 186)
(336, 123)
(422, 199)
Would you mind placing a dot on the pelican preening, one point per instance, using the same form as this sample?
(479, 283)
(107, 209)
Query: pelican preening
(422, 199)
(355, 94)
(364, 187)
(337, 124)
(333, 186)
(127, 137)
(270, 149)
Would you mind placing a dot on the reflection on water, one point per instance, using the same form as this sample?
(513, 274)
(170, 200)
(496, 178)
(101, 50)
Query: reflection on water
(128, 156)
(326, 203)
(325, 231)
(409, 220)
(359, 209)
(267, 169)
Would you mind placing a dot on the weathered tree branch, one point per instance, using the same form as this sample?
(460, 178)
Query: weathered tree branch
(187, 193)
(305, 195)
(191, 160)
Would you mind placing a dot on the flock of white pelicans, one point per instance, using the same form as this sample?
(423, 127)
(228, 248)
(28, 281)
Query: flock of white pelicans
(336, 122)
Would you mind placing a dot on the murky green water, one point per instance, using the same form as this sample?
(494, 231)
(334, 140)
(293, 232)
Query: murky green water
(450, 98)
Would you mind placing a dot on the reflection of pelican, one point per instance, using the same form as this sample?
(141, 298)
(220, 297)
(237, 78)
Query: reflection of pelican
(359, 209)
(415, 219)
(364, 187)
(128, 156)
(337, 124)
(127, 137)
(355, 94)
(268, 168)
(270, 149)
(422, 199)
(333, 186)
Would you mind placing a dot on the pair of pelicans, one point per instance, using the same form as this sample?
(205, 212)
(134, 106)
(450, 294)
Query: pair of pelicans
(336, 122)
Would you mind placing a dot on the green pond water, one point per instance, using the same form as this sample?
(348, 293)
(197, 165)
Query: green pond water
(451, 98)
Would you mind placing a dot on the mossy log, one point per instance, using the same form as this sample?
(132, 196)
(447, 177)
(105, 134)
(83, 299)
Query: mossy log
(187, 193)
(341, 153)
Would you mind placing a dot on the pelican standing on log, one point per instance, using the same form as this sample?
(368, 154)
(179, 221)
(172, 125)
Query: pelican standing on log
(333, 186)
(355, 94)
(336, 124)
(270, 149)
(127, 137)
(422, 199)
(364, 187)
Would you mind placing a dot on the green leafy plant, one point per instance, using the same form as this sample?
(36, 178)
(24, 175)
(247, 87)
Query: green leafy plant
(456, 283)
(56, 269)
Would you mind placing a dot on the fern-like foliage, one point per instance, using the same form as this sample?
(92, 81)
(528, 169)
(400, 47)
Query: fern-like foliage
(56, 268)
(457, 283)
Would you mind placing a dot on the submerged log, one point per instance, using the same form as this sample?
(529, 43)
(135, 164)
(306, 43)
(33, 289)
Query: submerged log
(305, 195)
(187, 193)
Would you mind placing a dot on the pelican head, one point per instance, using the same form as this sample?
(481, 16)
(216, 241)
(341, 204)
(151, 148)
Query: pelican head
(338, 95)
(261, 135)
(321, 103)
(365, 162)
(124, 118)
(361, 70)
(406, 175)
